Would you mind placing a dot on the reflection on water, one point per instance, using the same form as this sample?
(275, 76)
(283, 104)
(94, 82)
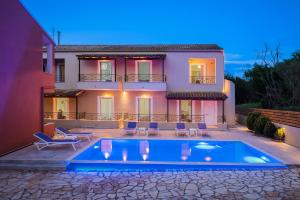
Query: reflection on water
(253, 159)
(124, 155)
(144, 149)
(106, 148)
(206, 146)
(185, 151)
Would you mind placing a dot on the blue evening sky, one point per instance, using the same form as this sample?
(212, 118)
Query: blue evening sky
(241, 27)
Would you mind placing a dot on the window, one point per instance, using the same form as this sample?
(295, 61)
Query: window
(105, 108)
(60, 70)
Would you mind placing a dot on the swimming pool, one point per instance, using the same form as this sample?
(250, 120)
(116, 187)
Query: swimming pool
(171, 154)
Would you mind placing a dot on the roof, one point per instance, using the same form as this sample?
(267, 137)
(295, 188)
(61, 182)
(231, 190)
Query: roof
(128, 56)
(63, 93)
(196, 95)
(138, 48)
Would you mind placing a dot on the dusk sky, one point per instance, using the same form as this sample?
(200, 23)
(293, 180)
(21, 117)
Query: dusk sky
(241, 27)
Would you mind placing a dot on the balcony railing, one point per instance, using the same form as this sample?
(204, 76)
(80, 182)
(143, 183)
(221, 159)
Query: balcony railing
(99, 78)
(60, 115)
(203, 79)
(145, 78)
(59, 78)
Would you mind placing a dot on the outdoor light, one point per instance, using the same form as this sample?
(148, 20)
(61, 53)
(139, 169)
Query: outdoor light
(207, 158)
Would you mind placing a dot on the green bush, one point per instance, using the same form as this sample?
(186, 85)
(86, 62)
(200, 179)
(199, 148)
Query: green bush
(259, 124)
(270, 130)
(280, 134)
(251, 119)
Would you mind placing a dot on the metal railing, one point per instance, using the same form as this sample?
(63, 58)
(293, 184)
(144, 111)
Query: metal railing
(99, 77)
(83, 116)
(145, 78)
(59, 78)
(129, 117)
(203, 79)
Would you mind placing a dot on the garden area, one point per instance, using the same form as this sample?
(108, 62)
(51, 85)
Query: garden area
(272, 84)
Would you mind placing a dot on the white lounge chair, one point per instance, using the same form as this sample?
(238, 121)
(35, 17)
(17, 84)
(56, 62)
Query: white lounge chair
(46, 141)
(181, 130)
(131, 128)
(153, 129)
(66, 133)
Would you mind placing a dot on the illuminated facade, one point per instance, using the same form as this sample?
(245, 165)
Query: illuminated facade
(164, 83)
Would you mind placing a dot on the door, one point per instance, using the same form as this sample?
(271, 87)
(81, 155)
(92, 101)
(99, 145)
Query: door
(62, 108)
(144, 71)
(198, 73)
(105, 71)
(144, 109)
(105, 108)
(185, 110)
(209, 110)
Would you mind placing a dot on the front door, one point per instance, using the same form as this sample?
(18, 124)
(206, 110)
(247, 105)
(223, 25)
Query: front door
(144, 109)
(209, 110)
(143, 71)
(105, 71)
(105, 108)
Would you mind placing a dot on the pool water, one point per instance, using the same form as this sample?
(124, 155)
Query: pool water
(135, 153)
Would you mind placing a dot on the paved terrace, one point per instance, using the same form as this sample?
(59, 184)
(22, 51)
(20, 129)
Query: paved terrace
(229, 184)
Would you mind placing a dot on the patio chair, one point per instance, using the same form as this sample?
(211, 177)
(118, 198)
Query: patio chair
(66, 133)
(202, 129)
(180, 129)
(46, 141)
(153, 129)
(131, 128)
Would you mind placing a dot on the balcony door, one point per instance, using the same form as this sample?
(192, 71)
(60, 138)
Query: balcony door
(198, 73)
(144, 108)
(209, 110)
(144, 70)
(61, 107)
(185, 110)
(105, 108)
(105, 71)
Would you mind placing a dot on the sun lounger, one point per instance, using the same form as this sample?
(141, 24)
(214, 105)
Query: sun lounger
(66, 133)
(202, 129)
(46, 141)
(131, 128)
(153, 129)
(181, 130)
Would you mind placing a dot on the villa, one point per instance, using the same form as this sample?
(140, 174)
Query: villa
(161, 83)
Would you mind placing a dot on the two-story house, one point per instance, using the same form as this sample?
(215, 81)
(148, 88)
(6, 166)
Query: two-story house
(164, 83)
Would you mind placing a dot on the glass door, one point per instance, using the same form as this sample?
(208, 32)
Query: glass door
(144, 109)
(62, 108)
(198, 73)
(106, 108)
(185, 109)
(105, 71)
(144, 71)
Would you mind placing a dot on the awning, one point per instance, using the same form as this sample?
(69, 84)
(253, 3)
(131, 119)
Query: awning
(196, 95)
(127, 56)
(64, 93)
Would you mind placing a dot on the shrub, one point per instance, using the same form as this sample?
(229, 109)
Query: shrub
(259, 124)
(280, 133)
(270, 130)
(251, 119)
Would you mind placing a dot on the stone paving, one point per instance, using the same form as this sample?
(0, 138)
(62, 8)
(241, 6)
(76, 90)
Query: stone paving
(232, 184)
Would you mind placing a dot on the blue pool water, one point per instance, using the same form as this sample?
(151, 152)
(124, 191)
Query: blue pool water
(171, 154)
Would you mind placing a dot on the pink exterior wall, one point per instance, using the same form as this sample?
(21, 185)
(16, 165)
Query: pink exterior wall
(22, 77)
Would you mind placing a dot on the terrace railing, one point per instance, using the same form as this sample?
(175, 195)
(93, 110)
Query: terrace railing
(203, 79)
(83, 116)
(145, 78)
(99, 78)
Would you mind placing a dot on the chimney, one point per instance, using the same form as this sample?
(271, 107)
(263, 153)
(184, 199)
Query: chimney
(58, 38)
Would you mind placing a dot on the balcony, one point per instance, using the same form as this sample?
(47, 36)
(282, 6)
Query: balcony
(99, 81)
(149, 82)
(202, 79)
